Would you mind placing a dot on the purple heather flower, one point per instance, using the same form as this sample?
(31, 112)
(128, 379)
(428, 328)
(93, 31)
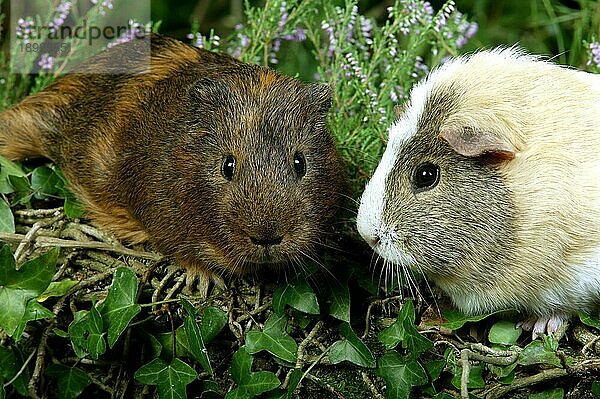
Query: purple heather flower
(284, 15)
(46, 62)
(103, 6)
(595, 50)
(135, 31)
(25, 29)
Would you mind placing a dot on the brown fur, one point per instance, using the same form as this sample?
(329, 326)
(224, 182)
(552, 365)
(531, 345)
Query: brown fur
(143, 152)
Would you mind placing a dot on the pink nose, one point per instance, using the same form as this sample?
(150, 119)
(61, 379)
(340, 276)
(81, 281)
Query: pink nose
(373, 241)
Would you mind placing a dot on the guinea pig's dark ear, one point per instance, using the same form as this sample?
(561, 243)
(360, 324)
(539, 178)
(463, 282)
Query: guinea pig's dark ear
(473, 143)
(320, 96)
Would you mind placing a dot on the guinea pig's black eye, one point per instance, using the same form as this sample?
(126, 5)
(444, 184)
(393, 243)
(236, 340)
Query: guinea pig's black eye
(299, 164)
(228, 167)
(426, 176)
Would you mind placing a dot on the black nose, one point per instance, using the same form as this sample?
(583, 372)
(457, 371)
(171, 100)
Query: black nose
(266, 241)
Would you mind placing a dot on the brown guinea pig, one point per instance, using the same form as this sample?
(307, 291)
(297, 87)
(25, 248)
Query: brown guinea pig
(222, 165)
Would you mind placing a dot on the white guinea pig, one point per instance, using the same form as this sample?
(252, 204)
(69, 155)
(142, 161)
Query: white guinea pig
(490, 185)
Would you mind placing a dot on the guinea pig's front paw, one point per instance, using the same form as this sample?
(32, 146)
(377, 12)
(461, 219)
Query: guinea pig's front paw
(543, 324)
(199, 282)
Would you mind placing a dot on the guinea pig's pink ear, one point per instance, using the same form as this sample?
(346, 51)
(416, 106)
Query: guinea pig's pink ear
(473, 143)
(320, 95)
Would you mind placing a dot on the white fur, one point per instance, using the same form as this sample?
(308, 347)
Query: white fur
(553, 177)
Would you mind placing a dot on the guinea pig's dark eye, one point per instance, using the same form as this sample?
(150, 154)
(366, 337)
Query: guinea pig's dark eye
(228, 167)
(426, 176)
(299, 164)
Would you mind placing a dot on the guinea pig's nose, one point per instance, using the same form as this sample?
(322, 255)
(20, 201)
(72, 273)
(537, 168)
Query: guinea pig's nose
(373, 241)
(266, 241)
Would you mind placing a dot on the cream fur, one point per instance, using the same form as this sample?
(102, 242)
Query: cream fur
(553, 122)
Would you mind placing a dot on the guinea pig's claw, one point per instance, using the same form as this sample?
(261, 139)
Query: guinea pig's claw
(199, 283)
(542, 325)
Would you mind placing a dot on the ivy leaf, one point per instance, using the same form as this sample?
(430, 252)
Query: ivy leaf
(261, 381)
(351, 349)
(7, 219)
(401, 374)
(9, 366)
(249, 384)
(596, 389)
(213, 321)
(338, 302)
(556, 393)
(588, 320)
(120, 307)
(403, 331)
(458, 319)
(298, 295)
(17, 287)
(238, 393)
(8, 168)
(475, 377)
(22, 189)
(96, 342)
(241, 365)
(170, 379)
(71, 380)
(44, 182)
(536, 353)
(87, 333)
(194, 338)
(57, 289)
(505, 333)
(33, 311)
(274, 339)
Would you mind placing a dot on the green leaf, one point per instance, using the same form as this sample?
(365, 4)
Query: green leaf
(17, 287)
(170, 379)
(249, 384)
(536, 353)
(120, 307)
(8, 168)
(556, 393)
(96, 342)
(87, 333)
(78, 330)
(475, 377)
(9, 366)
(589, 320)
(404, 331)
(596, 389)
(274, 339)
(401, 374)
(73, 208)
(71, 380)
(7, 219)
(33, 311)
(241, 365)
(238, 393)
(434, 368)
(337, 302)
(350, 349)
(505, 333)
(457, 319)
(44, 182)
(298, 295)
(194, 338)
(213, 321)
(260, 382)
(57, 289)
(22, 189)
